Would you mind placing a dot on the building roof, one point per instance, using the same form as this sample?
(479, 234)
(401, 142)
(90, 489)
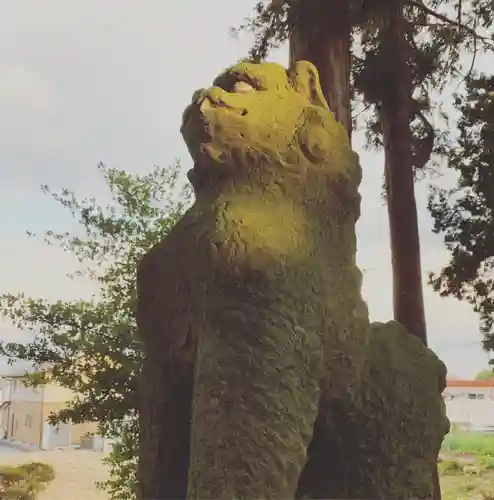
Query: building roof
(470, 383)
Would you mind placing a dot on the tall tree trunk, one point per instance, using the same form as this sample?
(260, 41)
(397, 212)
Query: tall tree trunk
(395, 117)
(321, 35)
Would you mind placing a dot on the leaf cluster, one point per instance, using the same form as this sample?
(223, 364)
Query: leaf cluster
(464, 214)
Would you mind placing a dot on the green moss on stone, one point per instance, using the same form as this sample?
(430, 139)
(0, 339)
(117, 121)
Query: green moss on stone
(382, 441)
(256, 337)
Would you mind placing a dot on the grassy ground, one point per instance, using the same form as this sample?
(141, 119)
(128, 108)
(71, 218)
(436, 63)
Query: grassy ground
(467, 466)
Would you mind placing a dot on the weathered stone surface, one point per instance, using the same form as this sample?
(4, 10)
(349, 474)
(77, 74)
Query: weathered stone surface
(382, 441)
(250, 310)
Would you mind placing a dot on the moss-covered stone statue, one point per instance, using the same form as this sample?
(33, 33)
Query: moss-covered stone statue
(262, 376)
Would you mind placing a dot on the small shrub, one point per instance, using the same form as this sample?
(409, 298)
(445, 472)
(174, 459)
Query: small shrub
(44, 473)
(10, 474)
(24, 482)
(18, 493)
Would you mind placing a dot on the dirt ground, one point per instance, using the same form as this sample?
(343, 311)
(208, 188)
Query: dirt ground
(77, 471)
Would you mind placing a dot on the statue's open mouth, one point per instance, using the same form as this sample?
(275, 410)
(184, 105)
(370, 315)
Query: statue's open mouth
(198, 109)
(205, 100)
(199, 120)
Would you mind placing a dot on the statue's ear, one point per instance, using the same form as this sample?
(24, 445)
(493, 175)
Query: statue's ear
(305, 80)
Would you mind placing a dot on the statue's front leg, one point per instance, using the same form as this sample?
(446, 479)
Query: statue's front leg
(255, 402)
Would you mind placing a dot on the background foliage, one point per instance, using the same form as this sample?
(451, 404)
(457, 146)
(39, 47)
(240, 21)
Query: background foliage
(90, 346)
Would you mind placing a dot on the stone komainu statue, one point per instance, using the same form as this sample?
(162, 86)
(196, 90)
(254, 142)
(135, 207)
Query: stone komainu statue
(262, 376)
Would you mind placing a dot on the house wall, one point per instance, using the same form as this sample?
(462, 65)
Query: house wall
(55, 397)
(50, 407)
(469, 393)
(471, 412)
(26, 418)
(470, 406)
(54, 393)
(25, 422)
(20, 392)
(4, 419)
(23, 417)
(4, 401)
(4, 390)
(56, 436)
(76, 430)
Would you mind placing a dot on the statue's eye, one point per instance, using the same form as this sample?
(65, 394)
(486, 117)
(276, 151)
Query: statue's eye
(242, 87)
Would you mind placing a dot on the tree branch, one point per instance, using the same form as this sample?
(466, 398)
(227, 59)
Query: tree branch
(446, 19)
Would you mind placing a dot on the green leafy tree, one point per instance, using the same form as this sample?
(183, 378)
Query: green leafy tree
(464, 215)
(90, 346)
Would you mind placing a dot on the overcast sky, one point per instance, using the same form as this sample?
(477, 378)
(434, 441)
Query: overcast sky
(84, 82)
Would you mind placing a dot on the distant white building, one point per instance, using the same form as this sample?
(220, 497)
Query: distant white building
(470, 403)
(24, 412)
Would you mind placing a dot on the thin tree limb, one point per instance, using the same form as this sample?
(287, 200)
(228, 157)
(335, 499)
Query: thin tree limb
(446, 19)
(472, 64)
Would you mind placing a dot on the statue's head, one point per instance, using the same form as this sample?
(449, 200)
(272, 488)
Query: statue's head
(261, 116)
